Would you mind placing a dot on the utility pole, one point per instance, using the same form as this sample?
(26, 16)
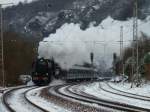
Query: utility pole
(135, 39)
(2, 50)
(2, 45)
(121, 48)
(104, 52)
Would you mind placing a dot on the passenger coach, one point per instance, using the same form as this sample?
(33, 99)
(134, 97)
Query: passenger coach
(78, 73)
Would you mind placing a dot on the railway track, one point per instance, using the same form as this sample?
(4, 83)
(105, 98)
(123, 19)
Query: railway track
(92, 99)
(69, 91)
(127, 94)
(35, 105)
(4, 100)
(73, 103)
(10, 108)
(5, 97)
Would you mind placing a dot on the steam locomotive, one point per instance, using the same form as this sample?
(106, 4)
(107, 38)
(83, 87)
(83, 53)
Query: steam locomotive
(43, 70)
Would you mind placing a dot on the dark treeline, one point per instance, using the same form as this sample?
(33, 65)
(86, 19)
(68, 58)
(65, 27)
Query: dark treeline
(19, 53)
(143, 49)
(25, 17)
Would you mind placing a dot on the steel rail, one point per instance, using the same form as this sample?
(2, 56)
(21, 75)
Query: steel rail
(32, 103)
(8, 93)
(106, 103)
(131, 95)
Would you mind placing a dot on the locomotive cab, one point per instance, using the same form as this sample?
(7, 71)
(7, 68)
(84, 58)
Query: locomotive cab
(41, 74)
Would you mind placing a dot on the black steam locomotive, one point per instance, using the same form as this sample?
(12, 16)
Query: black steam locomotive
(43, 70)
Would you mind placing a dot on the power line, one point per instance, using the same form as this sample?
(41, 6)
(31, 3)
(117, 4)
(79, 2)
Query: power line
(90, 41)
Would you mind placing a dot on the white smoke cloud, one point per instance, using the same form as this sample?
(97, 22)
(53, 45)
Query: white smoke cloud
(70, 45)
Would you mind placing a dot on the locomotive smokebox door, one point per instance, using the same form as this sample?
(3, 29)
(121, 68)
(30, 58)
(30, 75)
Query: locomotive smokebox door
(92, 57)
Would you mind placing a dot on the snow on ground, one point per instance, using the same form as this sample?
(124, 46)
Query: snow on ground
(34, 97)
(2, 108)
(53, 82)
(30, 83)
(57, 82)
(94, 89)
(18, 102)
(83, 105)
(80, 43)
(144, 90)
